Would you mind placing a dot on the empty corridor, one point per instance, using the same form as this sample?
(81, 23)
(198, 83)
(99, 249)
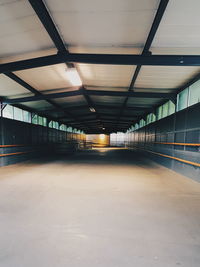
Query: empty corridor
(105, 208)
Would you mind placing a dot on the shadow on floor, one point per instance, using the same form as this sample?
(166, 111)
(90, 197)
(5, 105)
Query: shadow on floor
(108, 156)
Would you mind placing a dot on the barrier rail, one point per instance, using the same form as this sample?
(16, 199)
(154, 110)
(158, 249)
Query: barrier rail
(171, 157)
(177, 144)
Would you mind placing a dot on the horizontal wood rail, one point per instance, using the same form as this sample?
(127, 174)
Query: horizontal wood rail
(177, 144)
(16, 153)
(171, 157)
(178, 159)
(2, 146)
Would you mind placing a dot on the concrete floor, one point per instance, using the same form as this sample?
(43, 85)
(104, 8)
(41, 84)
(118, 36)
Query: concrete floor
(101, 208)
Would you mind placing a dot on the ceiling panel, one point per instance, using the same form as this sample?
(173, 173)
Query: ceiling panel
(20, 29)
(107, 100)
(180, 25)
(29, 55)
(164, 77)
(143, 102)
(73, 100)
(46, 78)
(175, 50)
(105, 49)
(107, 88)
(38, 105)
(106, 22)
(106, 75)
(108, 111)
(10, 88)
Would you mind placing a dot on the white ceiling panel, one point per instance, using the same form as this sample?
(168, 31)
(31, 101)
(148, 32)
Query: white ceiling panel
(30, 55)
(46, 78)
(180, 25)
(20, 29)
(105, 49)
(9, 88)
(164, 77)
(106, 22)
(106, 75)
(175, 50)
(107, 88)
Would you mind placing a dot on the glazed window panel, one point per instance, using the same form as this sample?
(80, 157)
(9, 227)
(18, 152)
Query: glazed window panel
(159, 113)
(172, 107)
(35, 119)
(182, 100)
(18, 115)
(8, 112)
(194, 93)
(26, 116)
(165, 110)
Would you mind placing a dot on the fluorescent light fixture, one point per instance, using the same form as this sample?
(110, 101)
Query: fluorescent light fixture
(92, 109)
(73, 77)
(103, 128)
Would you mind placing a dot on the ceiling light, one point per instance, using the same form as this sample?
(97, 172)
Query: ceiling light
(73, 77)
(92, 109)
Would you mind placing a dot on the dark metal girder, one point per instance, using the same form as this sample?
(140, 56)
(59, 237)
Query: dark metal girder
(113, 59)
(46, 20)
(37, 95)
(108, 107)
(154, 27)
(22, 83)
(89, 92)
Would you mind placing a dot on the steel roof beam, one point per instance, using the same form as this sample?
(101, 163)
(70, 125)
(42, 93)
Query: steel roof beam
(37, 95)
(47, 21)
(109, 59)
(99, 106)
(156, 22)
(89, 92)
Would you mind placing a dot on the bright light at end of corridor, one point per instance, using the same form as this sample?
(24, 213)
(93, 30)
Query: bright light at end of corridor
(102, 136)
(73, 77)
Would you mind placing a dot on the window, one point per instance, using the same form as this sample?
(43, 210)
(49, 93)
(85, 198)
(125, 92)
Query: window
(172, 107)
(18, 115)
(55, 125)
(182, 100)
(142, 123)
(35, 119)
(136, 126)
(165, 110)
(51, 124)
(40, 120)
(69, 129)
(159, 113)
(8, 112)
(44, 121)
(26, 116)
(148, 118)
(63, 127)
(194, 93)
(153, 117)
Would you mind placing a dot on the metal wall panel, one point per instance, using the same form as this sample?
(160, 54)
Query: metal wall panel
(172, 137)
